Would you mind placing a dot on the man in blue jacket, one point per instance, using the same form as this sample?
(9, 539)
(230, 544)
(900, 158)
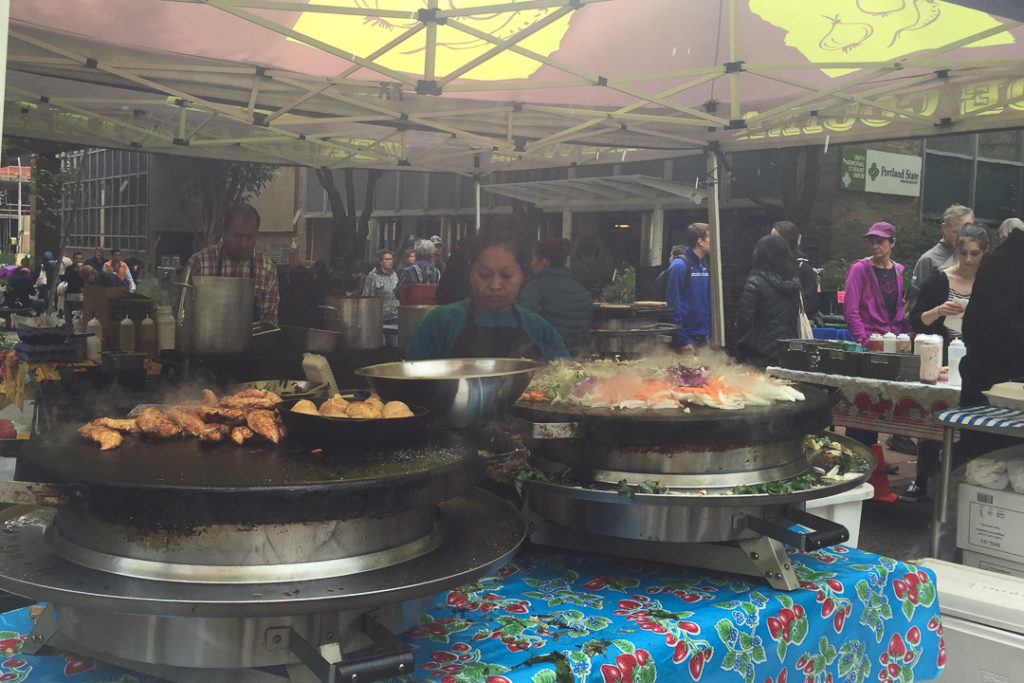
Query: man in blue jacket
(689, 290)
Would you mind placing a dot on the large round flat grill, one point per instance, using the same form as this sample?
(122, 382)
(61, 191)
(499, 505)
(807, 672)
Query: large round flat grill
(183, 483)
(700, 456)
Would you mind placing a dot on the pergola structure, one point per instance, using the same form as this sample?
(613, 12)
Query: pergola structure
(475, 86)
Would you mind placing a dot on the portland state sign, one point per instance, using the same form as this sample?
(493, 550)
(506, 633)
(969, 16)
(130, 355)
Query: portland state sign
(868, 170)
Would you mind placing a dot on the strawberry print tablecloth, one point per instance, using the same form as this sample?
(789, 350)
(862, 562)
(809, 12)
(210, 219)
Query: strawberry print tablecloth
(552, 617)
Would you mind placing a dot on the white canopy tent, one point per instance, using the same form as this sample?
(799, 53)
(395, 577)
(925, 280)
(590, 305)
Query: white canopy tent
(474, 86)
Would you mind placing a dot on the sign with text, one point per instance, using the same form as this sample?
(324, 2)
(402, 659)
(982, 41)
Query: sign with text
(868, 170)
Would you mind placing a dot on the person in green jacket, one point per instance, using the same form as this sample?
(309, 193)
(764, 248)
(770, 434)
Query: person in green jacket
(552, 293)
(488, 324)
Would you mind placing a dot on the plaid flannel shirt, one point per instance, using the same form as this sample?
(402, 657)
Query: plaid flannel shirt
(204, 262)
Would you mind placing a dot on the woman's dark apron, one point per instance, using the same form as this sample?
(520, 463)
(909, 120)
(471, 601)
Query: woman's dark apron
(503, 341)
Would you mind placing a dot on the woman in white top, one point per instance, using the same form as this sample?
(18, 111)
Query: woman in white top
(939, 309)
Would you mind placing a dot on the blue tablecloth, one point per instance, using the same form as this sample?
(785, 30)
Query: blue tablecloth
(550, 616)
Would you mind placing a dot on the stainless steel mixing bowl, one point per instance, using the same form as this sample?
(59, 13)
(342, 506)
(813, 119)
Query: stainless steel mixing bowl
(458, 391)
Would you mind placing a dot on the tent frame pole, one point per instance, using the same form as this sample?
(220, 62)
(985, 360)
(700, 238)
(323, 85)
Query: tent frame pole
(715, 256)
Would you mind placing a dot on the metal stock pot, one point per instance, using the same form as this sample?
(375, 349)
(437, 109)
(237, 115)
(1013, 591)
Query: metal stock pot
(215, 314)
(360, 319)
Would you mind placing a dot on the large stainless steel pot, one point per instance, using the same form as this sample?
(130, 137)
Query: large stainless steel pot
(360, 319)
(215, 314)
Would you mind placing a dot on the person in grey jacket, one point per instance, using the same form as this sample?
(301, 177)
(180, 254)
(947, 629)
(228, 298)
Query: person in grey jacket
(552, 293)
(382, 281)
(770, 302)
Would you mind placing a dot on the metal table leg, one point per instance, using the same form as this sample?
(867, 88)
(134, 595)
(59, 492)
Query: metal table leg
(942, 496)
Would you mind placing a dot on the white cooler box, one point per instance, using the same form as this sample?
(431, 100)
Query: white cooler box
(843, 508)
(982, 623)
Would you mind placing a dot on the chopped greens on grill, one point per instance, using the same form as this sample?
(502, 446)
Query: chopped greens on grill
(647, 486)
(778, 487)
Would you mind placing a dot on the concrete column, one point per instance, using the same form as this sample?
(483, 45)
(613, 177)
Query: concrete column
(653, 237)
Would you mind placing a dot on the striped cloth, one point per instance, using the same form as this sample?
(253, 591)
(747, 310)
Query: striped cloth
(984, 416)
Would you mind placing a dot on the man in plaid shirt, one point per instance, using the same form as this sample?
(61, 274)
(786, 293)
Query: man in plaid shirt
(235, 256)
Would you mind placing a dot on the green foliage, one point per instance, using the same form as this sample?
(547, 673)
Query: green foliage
(213, 185)
(622, 289)
(833, 273)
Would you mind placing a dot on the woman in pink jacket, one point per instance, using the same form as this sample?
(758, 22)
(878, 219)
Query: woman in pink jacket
(874, 289)
(874, 298)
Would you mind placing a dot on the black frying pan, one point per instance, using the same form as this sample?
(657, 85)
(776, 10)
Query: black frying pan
(343, 435)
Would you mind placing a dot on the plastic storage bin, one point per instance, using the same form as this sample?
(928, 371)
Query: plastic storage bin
(843, 508)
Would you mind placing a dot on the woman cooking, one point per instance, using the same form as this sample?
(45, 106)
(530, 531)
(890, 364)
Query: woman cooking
(488, 324)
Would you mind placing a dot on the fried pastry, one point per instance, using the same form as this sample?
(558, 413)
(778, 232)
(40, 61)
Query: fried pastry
(363, 409)
(395, 409)
(306, 407)
(333, 409)
(209, 398)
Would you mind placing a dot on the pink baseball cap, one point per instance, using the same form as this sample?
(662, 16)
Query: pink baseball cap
(881, 230)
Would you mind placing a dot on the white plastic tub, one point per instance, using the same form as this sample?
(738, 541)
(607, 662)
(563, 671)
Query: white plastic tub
(843, 508)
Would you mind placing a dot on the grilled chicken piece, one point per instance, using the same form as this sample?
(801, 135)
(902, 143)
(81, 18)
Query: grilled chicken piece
(127, 425)
(155, 422)
(241, 434)
(209, 398)
(250, 399)
(229, 416)
(266, 424)
(106, 438)
(213, 433)
(187, 419)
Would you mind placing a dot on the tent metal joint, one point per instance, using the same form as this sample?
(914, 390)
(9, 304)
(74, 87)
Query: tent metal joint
(944, 122)
(424, 87)
(734, 67)
(181, 142)
(428, 15)
(91, 63)
(942, 74)
(736, 124)
(601, 80)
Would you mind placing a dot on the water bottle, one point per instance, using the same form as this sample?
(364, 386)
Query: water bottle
(957, 350)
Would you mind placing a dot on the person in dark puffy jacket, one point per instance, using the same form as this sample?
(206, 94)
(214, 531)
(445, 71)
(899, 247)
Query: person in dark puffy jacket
(788, 231)
(552, 293)
(770, 303)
